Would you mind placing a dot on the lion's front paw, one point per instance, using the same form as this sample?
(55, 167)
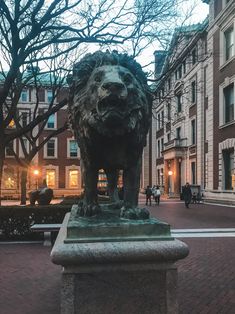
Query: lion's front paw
(134, 213)
(88, 210)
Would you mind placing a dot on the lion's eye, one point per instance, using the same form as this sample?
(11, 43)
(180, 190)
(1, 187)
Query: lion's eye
(127, 78)
(98, 77)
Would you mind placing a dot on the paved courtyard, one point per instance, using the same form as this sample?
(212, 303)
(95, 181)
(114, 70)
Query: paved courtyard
(30, 283)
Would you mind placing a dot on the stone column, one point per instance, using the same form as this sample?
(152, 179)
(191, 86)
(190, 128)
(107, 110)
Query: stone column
(176, 172)
(118, 277)
(166, 179)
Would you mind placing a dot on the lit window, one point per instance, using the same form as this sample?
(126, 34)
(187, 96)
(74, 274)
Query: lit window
(50, 178)
(73, 148)
(24, 95)
(9, 178)
(229, 43)
(51, 121)
(51, 148)
(73, 178)
(229, 103)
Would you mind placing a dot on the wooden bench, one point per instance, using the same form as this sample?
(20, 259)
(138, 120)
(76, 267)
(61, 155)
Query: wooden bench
(50, 232)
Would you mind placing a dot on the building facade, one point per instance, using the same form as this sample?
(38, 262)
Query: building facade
(193, 126)
(58, 162)
(220, 183)
(179, 111)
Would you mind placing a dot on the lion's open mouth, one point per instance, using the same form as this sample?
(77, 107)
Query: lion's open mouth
(112, 106)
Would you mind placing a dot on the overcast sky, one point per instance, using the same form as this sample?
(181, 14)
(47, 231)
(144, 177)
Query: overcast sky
(199, 14)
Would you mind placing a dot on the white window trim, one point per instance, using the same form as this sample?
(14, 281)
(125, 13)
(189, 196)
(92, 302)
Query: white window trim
(68, 150)
(24, 111)
(56, 149)
(230, 24)
(55, 123)
(226, 83)
(67, 169)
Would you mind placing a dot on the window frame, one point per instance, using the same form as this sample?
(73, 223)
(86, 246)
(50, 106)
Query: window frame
(45, 149)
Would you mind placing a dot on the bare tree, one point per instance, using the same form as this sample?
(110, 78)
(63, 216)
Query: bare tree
(34, 32)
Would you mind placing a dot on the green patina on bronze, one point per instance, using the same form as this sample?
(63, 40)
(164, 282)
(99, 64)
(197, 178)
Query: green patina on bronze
(108, 226)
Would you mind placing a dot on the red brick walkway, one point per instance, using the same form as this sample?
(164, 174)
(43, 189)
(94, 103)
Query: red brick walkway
(30, 283)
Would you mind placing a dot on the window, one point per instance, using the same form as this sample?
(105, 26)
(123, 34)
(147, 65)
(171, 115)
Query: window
(179, 102)
(162, 118)
(193, 132)
(229, 43)
(158, 121)
(24, 95)
(162, 145)
(41, 95)
(228, 159)
(73, 148)
(73, 178)
(168, 112)
(168, 137)
(158, 148)
(158, 177)
(24, 118)
(51, 121)
(193, 92)
(178, 133)
(50, 178)
(229, 103)
(9, 178)
(49, 95)
(10, 149)
(180, 71)
(193, 172)
(50, 149)
(194, 56)
(176, 75)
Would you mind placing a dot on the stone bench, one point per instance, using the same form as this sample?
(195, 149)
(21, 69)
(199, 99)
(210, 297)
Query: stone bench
(50, 232)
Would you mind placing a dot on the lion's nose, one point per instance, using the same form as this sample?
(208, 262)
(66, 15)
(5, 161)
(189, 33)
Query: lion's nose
(115, 87)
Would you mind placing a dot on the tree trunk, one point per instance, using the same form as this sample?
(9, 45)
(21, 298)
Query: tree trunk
(23, 186)
(2, 158)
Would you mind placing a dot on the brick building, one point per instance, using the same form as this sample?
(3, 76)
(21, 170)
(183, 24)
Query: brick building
(193, 133)
(57, 162)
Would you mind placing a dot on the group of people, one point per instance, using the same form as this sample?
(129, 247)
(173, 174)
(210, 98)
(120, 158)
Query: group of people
(156, 194)
(152, 192)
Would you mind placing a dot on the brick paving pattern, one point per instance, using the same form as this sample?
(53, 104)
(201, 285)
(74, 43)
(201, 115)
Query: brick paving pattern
(30, 283)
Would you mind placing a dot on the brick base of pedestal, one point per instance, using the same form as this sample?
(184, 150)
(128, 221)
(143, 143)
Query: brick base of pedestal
(131, 277)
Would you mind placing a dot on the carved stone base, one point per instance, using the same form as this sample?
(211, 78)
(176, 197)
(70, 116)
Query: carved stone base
(118, 277)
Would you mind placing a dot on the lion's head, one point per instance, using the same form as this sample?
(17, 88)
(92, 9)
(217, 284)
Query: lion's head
(109, 93)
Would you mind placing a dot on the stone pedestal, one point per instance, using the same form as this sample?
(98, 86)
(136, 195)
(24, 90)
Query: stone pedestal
(118, 277)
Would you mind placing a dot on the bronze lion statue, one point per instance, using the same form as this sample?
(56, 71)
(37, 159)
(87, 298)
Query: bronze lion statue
(110, 107)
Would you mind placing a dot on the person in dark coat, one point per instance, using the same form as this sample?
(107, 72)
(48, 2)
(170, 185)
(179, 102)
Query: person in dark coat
(187, 193)
(148, 193)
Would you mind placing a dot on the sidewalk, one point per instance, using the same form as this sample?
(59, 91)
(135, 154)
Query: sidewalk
(30, 283)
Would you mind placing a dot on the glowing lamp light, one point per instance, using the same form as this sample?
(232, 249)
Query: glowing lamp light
(170, 173)
(36, 172)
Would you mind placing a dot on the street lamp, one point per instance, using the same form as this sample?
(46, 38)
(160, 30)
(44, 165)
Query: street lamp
(36, 174)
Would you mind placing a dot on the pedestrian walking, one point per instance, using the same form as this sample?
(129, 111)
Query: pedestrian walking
(157, 194)
(187, 193)
(148, 193)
